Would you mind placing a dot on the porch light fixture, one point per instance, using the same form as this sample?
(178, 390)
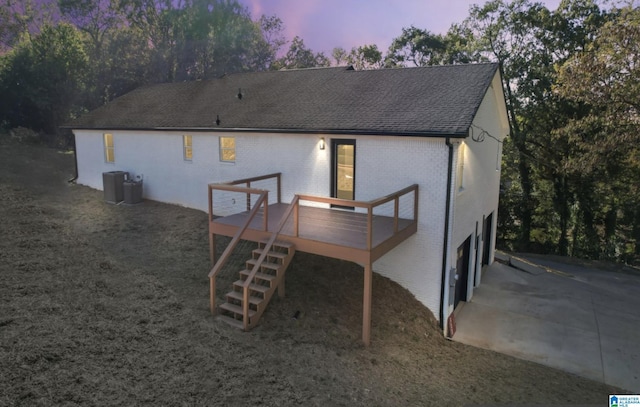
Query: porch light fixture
(321, 143)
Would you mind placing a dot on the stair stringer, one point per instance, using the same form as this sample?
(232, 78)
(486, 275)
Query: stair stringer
(234, 316)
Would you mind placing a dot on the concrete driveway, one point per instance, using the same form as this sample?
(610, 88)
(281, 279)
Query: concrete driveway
(584, 321)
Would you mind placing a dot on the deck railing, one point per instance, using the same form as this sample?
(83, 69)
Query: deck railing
(368, 207)
(247, 187)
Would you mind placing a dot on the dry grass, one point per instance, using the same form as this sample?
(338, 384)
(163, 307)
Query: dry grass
(107, 305)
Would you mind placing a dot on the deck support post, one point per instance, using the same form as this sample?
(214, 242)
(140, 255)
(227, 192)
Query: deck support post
(366, 304)
(212, 295)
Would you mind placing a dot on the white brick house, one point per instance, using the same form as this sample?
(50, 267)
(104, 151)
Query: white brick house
(439, 127)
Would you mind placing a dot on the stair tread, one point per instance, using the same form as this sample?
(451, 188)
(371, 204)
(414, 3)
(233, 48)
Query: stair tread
(231, 321)
(235, 309)
(280, 243)
(271, 253)
(262, 276)
(238, 296)
(266, 264)
(254, 287)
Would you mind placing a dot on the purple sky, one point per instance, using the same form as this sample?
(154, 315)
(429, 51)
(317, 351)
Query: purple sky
(325, 24)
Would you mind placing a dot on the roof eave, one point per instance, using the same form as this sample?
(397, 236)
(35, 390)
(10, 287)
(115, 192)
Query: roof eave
(361, 132)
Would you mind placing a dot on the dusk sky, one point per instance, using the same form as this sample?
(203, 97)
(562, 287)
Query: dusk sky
(325, 24)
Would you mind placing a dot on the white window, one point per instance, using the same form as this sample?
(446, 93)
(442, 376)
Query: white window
(187, 147)
(109, 155)
(460, 167)
(228, 149)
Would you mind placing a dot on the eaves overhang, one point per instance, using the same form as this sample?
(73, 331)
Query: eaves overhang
(360, 132)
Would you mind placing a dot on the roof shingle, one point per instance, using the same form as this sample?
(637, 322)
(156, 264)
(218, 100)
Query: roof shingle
(436, 100)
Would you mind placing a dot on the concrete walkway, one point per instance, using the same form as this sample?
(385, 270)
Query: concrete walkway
(580, 320)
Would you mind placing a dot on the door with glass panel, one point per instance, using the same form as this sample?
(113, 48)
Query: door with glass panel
(343, 174)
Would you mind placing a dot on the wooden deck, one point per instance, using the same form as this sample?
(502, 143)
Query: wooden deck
(311, 224)
(333, 232)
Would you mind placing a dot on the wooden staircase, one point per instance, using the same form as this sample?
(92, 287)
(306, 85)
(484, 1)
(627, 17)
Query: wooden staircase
(268, 278)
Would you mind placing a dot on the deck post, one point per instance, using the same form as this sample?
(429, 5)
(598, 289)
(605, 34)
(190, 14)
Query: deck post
(366, 304)
(279, 189)
(396, 212)
(296, 215)
(248, 197)
(212, 295)
(212, 249)
(210, 203)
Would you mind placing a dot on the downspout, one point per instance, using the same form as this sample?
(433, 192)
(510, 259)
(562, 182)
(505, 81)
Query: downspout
(445, 246)
(75, 162)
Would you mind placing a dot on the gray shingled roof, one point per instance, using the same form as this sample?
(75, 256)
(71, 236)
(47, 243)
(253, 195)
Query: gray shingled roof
(437, 100)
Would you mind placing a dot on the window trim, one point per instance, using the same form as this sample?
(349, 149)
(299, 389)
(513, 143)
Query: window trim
(187, 147)
(109, 147)
(222, 149)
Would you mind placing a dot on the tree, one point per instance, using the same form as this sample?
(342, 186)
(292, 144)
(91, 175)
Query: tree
(42, 79)
(272, 28)
(339, 54)
(20, 19)
(365, 57)
(199, 39)
(299, 56)
(94, 17)
(417, 47)
(605, 79)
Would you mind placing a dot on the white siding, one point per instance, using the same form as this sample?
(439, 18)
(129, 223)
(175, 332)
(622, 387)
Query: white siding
(387, 164)
(479, 198)
(383, 165)
(158, 158)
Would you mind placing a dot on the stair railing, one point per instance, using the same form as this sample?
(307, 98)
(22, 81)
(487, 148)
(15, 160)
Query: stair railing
(262, 200)
(263, 256)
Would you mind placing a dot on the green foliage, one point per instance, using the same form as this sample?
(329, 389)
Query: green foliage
(21, 19)
(200, 39)
(42, 79)
(604, 78)
(362, 57)
(418, 47)
(46, 77)
(299, 56)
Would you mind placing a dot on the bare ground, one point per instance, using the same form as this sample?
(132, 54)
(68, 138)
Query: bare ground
(108, 305)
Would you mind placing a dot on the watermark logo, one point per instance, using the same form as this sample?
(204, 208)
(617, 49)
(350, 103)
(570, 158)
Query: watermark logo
(618, 400)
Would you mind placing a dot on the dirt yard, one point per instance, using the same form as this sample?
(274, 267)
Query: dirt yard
(108, 305)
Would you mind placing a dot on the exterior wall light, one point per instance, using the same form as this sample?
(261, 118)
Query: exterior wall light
(321, 143)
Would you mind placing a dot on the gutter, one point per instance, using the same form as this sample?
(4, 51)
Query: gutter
(75, 162)
(445, 246)
(357, 132)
